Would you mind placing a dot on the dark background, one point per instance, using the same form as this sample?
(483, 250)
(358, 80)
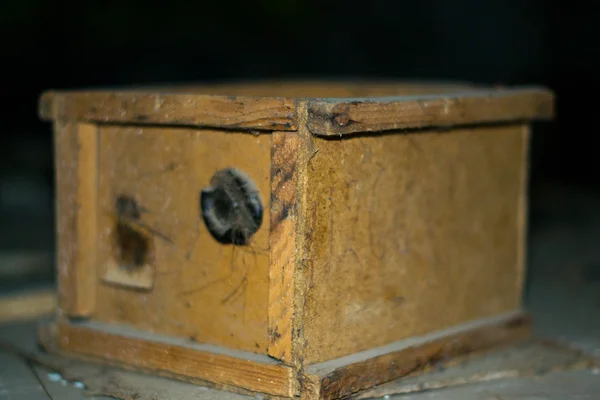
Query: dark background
(60, 45)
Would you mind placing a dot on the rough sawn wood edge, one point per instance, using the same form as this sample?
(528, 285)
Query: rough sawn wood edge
(185, 109)
(338, 117)
(235, 372)
(283, 239)
(326, 116)
(350, 375)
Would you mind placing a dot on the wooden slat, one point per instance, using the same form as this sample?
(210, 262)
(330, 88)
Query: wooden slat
(348, 375)
(335, 110)
(76, 154)
(142, 351)
(85, 266)
(346, 116)
(172, 109)
(284, 177)
(65, 154)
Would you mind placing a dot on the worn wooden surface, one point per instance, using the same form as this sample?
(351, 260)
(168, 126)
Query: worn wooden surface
(181, 109)
(75, 155)
(340, 117)
(409, 234)
(87, 233)
(178, 358)
(349, 375)
(283, 242)
(202, 290)
(341, 108)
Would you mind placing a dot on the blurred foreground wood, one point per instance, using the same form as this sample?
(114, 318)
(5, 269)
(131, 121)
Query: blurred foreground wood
(27, 304)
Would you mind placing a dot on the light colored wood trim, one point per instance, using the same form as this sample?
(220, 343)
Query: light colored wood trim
(76, 155)
(339, 117)
(65, 155)
(173, 109)
(424, 107)
(284, 177)
(173, 357)
(305, 224)
(85, 266)
(348, 375)
(26, 305)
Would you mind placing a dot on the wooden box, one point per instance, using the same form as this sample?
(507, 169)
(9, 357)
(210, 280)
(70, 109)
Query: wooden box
(290, 239)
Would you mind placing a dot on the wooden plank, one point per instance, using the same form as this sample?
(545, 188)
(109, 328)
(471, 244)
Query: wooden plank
(409, 234)
(340, 108)
(203, 290)
(26, 305)
(348, 375)
(165, 355)
(85, 265)
(284, 192)
(66, 164)
(172, 109)
(338, 117)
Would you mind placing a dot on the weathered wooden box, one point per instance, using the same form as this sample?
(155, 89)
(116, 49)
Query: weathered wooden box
(290, 239)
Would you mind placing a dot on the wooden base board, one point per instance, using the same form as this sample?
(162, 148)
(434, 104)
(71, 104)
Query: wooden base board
(349, 375)
(232, 370)
(251, 373)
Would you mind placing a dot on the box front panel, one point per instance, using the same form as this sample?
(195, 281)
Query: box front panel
(159, 268)
(410, 233)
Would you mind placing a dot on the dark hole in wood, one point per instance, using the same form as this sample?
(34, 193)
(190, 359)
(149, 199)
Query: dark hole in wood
(231, 207)
(133, 244)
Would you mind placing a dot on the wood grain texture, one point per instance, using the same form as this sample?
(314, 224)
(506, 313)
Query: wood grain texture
(408, 234)
(284, 193)
(183, 361)
(349, 375)
(172, 109)
(340, 117)
(76, 174)
(338, 108)
(87, 206)
(203, 290)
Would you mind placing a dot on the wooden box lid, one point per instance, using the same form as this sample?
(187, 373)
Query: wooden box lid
(334, 108)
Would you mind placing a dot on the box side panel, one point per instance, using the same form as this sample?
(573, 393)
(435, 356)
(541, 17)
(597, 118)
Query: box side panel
(410, 233)
(188, 285)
